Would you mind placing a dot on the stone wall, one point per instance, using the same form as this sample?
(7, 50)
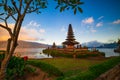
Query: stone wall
(112, 74)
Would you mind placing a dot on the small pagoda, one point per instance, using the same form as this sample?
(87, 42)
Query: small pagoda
(70, 41)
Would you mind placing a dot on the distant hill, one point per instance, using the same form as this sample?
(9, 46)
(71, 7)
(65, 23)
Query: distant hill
(100, 44)
(92, 44)
(24, 44)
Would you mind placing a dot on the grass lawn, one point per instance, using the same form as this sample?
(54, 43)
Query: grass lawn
(66, 64)
(76, 69)
(70, 66)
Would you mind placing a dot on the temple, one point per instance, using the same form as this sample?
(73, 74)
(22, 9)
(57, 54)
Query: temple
(70, 41)
(71, 48)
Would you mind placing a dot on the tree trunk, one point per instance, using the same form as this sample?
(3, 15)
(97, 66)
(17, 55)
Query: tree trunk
(11, 46)
(8, 55)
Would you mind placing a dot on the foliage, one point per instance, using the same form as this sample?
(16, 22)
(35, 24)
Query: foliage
(79, 54)
(1, 57)
(46, 67)
(15, 68)
(69, 4)
(118, 41)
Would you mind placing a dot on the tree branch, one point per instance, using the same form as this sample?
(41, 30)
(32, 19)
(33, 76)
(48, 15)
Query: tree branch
(2, 19)
(20, 6)
(14, 4)
(8, 29)
(13, 17)
(27, 6)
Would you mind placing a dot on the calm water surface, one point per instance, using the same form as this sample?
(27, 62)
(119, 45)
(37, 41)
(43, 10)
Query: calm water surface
(38, 52)
(31, 52)
(108, 52)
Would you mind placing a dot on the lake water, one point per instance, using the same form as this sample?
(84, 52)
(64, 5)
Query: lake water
(38, 52)
(31, 52)
(108, 52)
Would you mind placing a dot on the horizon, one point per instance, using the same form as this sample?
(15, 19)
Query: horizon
(97, 23)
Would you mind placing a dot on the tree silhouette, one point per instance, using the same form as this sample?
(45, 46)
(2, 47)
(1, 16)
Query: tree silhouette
(54, 45)
(118, 43)
(16, 10)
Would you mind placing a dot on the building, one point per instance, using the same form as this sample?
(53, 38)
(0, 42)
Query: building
(70, 40)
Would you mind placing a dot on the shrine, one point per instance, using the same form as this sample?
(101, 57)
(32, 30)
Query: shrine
(70, 41)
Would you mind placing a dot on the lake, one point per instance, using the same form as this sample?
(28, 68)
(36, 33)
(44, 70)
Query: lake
(37, 52)
(31, 52)
(108, 52)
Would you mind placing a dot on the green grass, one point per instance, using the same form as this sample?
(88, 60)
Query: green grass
(68, 66)
(78, 69)
(93, 71)
(51, 70)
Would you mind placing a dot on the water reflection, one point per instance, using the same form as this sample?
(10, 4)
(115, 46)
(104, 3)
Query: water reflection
(30, 52)
(108, 51)
(38, 52)
(33, 53)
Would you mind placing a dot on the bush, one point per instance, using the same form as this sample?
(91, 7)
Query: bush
(15, 68)
(79, 54)
(51, 70)
(1, 58)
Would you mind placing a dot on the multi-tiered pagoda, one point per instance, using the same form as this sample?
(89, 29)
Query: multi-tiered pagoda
(70, 41)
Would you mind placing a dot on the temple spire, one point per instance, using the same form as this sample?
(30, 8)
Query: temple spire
(70, 41)
(70, 34)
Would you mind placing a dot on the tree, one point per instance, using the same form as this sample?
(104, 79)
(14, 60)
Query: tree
(54, 45)
(118, 43)
(17, 10)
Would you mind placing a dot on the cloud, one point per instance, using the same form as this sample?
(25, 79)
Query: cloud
(89, 20)
(30, 31)
(116, 22)
(100, 17)
(63, 29)
(99, 24)
(93, 30)
(89, 25)
(42, 31)
(33, 23)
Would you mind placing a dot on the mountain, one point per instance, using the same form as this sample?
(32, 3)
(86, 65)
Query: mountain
(100, 44)
(109, 45)
(92, 44)
(24, 44)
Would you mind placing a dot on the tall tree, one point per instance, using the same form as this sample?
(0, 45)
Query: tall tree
(17, 10)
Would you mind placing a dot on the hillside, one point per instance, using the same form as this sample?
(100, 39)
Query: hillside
(100, 44)
(24, 44)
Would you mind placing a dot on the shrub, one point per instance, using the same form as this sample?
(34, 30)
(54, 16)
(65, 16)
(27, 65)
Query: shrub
(79, 54)
(15, 68)
(46, 67)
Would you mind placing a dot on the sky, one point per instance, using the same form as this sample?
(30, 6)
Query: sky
(100, 21)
